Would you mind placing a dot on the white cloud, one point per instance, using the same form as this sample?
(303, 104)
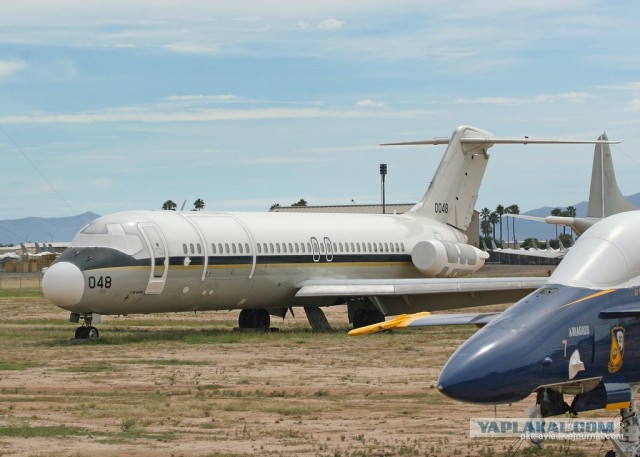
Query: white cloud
(203, 98)
(156, 114)
(327, 24)
(187, 47)
(632, 86)
(9, 67)
(367, 102)
(489, 101)
(330, 24)
(571, 97)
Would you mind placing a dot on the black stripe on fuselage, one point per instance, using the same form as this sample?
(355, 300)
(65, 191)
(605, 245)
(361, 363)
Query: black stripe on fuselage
(91, 258)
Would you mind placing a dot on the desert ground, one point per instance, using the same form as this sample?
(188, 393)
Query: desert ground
(189, 385)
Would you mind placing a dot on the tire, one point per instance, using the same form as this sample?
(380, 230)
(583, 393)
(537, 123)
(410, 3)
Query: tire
(92, 333)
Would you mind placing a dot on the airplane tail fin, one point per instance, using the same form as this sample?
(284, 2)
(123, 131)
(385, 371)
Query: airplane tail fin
(452, 194)
(605, 197)
(493, 245)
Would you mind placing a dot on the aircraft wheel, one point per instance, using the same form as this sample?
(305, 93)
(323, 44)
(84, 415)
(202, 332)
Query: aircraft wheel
(82, 333)
(92, 333)
(261, 319)
(245, 320)
(374, 317)
(360, 318)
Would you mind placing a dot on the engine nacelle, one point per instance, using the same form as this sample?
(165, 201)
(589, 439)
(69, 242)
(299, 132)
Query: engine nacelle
(437, 258)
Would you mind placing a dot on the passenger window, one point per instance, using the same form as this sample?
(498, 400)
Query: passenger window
(278, 248)
(290, 248)
(284, 247)
(335, 247)
(297, 246)
(309, 247)
(199, 248)
(233, 247)
(246, 248)
(391, 244)
(226, 248)
(358, 246)
(340, 247)
(191, 248)
(401, 247)
(271, 250)
(259, 249)
(184, 247)
(380, 247)
(375, 247)
(213, 248)
(353, 249)
(321, 248)
(386, 247)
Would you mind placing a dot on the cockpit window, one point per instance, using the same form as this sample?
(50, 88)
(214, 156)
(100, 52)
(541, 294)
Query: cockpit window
(102, 234)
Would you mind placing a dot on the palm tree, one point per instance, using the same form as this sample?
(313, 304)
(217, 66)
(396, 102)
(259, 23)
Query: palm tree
(485, 228)
(513, 209)
(500, 212)
(199, 204)
(571, 212)
(169, 205)
(301, 202)
(493, 219)
(484, 214)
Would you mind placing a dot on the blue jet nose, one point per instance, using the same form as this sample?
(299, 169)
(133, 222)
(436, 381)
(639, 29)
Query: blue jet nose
(496, 365)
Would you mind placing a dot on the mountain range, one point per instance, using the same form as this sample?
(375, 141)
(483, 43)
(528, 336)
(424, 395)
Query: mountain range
(40, 229)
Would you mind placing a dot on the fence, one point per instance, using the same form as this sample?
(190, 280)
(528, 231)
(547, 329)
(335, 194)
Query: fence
(20, 280)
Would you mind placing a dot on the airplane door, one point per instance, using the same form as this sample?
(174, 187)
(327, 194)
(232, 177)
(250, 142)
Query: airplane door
(329, 247)
(159, 256)
(315, 249)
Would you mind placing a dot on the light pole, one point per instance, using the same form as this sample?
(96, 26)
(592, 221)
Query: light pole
(383, 173)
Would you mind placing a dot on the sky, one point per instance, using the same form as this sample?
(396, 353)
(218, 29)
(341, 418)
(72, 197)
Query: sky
(120, 105)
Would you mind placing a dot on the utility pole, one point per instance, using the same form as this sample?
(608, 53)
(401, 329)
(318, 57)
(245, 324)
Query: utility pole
(383, 173)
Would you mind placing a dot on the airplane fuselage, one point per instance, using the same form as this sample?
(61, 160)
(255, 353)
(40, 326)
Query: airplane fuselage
(156, 261)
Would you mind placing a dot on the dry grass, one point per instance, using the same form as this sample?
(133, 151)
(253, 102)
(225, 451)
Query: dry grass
(187, 385)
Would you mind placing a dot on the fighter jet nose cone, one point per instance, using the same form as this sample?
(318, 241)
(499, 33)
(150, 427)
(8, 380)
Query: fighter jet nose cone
(63, 284)
(493, 367)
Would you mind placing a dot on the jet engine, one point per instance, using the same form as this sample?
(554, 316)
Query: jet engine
(447, 258)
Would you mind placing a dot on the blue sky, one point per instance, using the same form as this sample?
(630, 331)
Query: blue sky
(110, 106)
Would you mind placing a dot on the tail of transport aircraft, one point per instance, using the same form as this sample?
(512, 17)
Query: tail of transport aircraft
(605, 198)
(453, 192)
(451, 196)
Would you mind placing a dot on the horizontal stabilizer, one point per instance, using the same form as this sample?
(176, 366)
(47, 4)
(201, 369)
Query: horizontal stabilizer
(426, 319)
(628, 310)
(499, 140)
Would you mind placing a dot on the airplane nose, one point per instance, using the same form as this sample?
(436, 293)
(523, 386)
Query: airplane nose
(494, 366)
(63, 284)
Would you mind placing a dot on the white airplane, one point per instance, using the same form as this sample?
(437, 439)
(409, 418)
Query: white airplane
(265, 263)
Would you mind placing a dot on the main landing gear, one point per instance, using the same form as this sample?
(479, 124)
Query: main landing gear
(258, 319)
(86, 331)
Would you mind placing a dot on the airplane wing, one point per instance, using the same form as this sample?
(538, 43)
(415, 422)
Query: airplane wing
(426, 319)
(535, 253)
(381, 287)
(397, 296)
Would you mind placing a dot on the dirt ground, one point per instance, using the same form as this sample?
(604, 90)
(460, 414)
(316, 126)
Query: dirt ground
(189, 385)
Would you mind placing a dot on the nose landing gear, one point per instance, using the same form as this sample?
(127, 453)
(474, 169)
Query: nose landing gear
(86, 331)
